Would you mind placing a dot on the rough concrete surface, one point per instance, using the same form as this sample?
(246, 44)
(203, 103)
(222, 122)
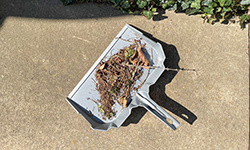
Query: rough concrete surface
(43, 56)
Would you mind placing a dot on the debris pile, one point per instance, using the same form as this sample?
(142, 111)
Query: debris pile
(116, 77)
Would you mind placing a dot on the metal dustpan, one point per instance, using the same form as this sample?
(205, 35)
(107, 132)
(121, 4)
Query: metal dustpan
(86, 88)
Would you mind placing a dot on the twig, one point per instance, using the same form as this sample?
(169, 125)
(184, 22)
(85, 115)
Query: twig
(143, 81)
(168, 69)
(92, 101)
(133, 74)
(124, 40)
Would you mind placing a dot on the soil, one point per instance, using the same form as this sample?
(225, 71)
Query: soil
(116, 77)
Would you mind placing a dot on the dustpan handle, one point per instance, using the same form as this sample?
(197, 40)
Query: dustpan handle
(161, 114)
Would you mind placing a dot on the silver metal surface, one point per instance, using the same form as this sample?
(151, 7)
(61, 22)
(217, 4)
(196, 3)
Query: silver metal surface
(82, 95)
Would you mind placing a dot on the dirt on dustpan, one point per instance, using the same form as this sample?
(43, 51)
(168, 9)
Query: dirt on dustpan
(116, 77)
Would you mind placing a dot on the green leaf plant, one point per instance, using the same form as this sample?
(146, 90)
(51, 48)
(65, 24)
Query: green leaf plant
(211, 11)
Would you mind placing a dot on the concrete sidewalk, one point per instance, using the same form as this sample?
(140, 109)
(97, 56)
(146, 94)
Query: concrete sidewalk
(42, 59)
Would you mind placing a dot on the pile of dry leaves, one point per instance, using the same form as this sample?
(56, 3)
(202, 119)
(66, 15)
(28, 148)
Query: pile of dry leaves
(116, 77)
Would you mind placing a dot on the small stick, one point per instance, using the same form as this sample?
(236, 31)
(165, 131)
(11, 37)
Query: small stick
(133, 74)
(143, 81)
(168, 69)
(177, 70)
(124, 40)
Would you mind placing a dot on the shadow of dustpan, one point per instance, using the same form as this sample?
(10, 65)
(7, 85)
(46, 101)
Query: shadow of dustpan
(85, 90)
